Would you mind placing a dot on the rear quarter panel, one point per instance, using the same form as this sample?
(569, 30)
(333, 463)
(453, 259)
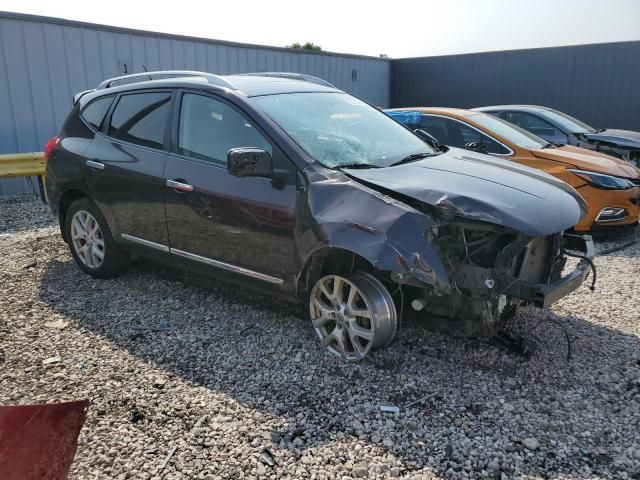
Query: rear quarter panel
(63, 170)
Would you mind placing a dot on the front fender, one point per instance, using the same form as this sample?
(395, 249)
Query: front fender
(392, 236)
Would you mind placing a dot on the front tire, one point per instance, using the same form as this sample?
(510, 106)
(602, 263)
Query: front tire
(90, 241)
(352, 316)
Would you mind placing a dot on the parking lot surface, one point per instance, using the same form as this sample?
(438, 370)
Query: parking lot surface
(192, 378)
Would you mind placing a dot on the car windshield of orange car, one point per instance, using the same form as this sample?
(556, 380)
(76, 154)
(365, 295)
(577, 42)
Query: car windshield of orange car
(566, 122)
(339, 130)
(508, 131)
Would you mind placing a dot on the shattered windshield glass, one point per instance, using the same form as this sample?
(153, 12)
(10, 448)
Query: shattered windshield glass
(339, 130)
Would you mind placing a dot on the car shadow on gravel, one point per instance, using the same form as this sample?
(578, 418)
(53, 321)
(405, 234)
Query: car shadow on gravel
(460, 400)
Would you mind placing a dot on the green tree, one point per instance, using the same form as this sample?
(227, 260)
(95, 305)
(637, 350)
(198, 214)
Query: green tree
(305, 46)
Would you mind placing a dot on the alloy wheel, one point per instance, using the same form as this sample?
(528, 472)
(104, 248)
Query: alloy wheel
(87, 239)
(352, 316)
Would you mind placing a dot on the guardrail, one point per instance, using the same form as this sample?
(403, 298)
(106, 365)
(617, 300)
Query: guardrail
(24, 165)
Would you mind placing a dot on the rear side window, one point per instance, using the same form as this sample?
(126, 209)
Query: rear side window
(94, 113)
(141, 118)
(457, 134)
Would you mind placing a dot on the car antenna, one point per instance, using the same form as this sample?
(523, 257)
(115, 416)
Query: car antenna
(145, 69)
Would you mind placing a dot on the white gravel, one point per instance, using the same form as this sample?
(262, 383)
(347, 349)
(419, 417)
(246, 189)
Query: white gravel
(190, 378)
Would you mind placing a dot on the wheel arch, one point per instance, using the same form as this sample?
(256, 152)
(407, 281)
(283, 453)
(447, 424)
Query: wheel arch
(66, 199)
(328, 259)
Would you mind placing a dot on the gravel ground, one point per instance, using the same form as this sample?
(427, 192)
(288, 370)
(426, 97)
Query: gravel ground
(174, 362)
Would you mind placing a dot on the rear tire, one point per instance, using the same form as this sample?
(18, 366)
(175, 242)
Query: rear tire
(90, 241)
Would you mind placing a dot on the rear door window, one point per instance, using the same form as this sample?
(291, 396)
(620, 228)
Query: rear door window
(94, 113)
(457, 134)
(141, 118)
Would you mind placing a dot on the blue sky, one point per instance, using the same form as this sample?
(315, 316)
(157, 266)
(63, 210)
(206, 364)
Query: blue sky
(396, 28)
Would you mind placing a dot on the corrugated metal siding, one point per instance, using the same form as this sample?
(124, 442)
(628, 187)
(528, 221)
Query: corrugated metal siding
(595, 83)
(44, 61)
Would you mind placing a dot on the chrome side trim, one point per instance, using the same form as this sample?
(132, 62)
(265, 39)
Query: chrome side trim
(146, 243)
(227, 266)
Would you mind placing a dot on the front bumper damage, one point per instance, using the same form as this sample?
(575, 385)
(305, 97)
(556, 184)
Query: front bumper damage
(492, 273)
(467, 272)
(543, 295)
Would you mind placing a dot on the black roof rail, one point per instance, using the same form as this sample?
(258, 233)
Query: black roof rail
(158, 75)
(292, 76)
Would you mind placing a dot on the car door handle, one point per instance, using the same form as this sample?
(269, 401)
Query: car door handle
(179, 185)
(95, 165)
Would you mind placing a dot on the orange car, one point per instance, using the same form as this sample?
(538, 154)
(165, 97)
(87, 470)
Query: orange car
(611, 187)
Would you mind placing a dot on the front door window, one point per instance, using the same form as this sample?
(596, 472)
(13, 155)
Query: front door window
(210, 128)
(457, 134)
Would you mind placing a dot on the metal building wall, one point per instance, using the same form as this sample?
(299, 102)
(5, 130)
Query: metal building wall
(596, 83)
(44, 61)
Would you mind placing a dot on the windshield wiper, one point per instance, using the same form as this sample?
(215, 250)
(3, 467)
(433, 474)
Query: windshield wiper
(412, 158)
(550, 145)
(358, 165)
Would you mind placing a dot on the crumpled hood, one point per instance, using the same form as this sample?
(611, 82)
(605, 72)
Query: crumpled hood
(620, 138)
(485, 188)
(586, 160)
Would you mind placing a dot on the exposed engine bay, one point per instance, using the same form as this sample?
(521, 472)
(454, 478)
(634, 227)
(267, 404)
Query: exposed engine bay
(484, 263)
(465, 252)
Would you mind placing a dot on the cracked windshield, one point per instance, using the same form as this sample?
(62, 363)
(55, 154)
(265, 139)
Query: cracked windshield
(339, 130)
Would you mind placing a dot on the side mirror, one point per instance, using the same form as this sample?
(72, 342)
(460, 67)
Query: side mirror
(476, 147)
(249, 162)
(427, 138)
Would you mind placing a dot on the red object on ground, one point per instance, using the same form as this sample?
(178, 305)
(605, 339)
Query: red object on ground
(38, 442)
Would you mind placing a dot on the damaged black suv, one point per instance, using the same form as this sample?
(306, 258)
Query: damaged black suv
(284, 183)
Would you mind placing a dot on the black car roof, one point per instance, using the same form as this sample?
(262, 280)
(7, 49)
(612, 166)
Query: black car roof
(245, 85)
